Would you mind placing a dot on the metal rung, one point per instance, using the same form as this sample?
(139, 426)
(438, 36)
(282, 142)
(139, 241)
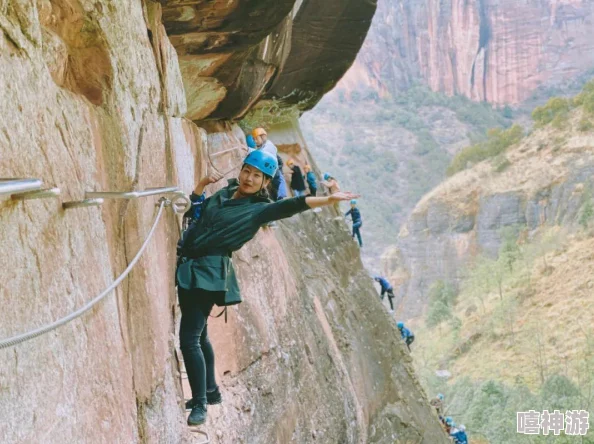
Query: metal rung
(219, 153)
(82, 203)
(16, 185)
(37, 194)
(129, 194)
(179, 207)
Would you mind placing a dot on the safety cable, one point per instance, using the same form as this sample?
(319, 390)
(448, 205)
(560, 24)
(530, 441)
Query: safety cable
(42, 330)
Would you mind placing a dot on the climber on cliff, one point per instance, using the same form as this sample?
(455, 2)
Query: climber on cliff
(311, 180)
(449, 424)
(205, 276)
(357, 221)
(437, 403)
(386, 289)
(297, 180)
(278, 186)
(332, 185)
(261, 137)
(251, 142)
(406, 334)
(458, 434)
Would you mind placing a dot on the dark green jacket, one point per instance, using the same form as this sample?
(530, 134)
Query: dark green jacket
(225, 225)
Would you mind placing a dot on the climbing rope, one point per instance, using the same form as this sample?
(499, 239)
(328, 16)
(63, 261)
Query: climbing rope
(42, 330)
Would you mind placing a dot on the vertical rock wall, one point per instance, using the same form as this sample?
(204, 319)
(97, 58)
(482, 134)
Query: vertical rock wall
(498, 51)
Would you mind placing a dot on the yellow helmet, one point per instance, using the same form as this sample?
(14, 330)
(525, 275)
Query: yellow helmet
(290, 162)
(307, 167)
(258, 132)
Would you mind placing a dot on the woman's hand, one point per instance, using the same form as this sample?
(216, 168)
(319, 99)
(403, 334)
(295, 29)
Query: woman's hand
(316, 202)
(343, 195)
(207, 180)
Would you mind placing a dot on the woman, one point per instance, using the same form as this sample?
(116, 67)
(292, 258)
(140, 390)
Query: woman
(297, 180)
(311, 180)
(332, 184)
(205, 276)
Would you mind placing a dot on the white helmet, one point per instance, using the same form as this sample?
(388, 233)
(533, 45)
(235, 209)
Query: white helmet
(462, 427)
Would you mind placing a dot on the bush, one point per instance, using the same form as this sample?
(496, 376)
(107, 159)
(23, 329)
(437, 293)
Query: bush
(508, 112)
(585, 125)
(586, 98)
(587, 210)
(442, 298)
(500, 163)
(556, 109)
(498, 140)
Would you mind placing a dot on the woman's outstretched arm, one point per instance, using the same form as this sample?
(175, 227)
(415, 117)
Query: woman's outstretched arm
(289, 207)
(316, 202)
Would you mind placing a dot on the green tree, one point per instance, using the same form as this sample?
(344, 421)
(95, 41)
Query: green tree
(587, 209)
(442, 298)
(507, 112)
(556, 109)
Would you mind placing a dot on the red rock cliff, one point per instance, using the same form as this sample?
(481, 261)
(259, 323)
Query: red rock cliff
(498, 51)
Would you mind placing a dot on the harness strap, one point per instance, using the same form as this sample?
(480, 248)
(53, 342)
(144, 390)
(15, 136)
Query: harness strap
(223, 312)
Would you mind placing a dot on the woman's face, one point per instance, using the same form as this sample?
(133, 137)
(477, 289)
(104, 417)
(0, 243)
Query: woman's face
(251, 180)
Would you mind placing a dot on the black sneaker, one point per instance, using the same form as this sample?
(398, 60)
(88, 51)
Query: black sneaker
(214, 397)
(190, 404)
(197, 416)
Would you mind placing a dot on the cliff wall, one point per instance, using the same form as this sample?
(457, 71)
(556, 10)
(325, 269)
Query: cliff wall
(546, 183)
(498, 51)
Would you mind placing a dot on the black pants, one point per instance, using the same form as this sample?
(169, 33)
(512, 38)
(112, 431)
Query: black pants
(390, 297)
(313, 191)
(357, 232)
(409, 341)
(195, 346)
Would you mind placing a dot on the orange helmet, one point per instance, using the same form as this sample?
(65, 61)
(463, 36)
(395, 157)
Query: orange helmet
(258, 132)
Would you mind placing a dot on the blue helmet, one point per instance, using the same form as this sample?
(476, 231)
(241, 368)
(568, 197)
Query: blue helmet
(249, 139)
(449, 420)
(400, 324)
(263, 161)
(327, 176)
(440, 396)
(354, 202)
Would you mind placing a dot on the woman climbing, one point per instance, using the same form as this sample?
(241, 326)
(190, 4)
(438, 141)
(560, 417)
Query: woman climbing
(205, 276)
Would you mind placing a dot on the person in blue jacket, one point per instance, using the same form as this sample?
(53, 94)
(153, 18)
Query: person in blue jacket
(458, 434)
(357, 221)
(406, 334)
(258, 140)
(386, 289)
(221, 225)
(311, 180)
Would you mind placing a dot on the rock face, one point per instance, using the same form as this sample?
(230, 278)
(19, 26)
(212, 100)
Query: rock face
(464, 215)
(233, 53)
(498, 51)
(93, 99)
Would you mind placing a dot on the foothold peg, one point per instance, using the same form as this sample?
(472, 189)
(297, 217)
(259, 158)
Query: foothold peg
(82, 203)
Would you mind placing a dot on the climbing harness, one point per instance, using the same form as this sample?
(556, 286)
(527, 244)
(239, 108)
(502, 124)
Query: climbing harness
(162, 203)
